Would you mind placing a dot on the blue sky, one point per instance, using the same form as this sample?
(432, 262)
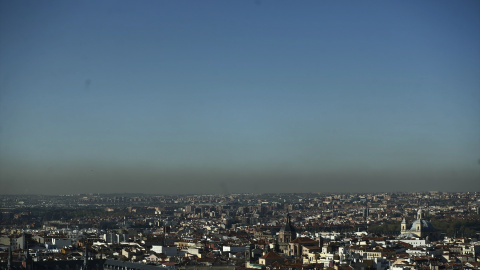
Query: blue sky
(239, 96)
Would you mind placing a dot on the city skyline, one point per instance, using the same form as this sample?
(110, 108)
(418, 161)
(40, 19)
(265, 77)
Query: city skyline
(242, 96)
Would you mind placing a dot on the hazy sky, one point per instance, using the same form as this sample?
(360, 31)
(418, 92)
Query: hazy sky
(239, 96)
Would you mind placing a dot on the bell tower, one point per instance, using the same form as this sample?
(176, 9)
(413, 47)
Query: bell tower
(403, 227)
(420, 214)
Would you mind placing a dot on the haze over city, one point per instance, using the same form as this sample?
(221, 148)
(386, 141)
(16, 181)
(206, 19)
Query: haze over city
(239, 96)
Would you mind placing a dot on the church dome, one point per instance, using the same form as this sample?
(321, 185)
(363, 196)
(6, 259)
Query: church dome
(426, 225)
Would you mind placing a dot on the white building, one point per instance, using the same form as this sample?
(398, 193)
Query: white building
(169, 251)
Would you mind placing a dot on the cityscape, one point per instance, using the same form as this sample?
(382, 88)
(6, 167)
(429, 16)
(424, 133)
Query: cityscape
(287, 231)
(239, 135)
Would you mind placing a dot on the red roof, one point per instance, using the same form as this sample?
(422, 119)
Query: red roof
(271, 256)
(303, 240)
